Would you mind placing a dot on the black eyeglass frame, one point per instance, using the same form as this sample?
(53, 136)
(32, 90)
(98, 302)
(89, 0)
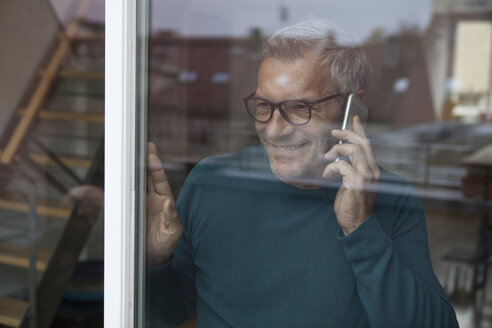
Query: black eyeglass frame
(309, 104)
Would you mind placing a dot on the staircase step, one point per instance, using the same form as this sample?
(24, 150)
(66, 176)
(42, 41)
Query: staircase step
(68, 161)
(73, 162)
(58, 139)
(74, 74)
(89, 85)
(18, 255)
(77, 104)
(67, 116)
(44, 207)
(12, 311)
(88, 36)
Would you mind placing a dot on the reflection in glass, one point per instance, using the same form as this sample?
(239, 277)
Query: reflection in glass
(51, 163)
(429, 113)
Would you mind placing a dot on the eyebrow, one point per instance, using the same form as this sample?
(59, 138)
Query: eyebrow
(272, 102)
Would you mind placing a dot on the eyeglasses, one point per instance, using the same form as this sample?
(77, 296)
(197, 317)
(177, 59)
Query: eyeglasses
(294, 111)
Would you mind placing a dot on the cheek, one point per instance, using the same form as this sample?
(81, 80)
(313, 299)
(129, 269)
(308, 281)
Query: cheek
(322, 123)
(321, 137)
(320, 129)
(328, 117)
(260, 128)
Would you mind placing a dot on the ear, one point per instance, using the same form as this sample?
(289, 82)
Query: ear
(362, 95)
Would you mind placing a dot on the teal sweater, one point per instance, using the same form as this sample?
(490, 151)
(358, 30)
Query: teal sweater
(257, 252)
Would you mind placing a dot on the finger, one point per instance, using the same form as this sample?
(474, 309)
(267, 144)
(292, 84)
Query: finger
(351, 178)
(151, 148)
(159, 177)
(357, 126)
(348, 135)
(150, 182)
(356, 138)
(341, 167)
(356, 155)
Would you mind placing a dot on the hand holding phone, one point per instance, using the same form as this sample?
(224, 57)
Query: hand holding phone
(359, 171)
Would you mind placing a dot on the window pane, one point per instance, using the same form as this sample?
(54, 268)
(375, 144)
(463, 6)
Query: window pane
(277, 223)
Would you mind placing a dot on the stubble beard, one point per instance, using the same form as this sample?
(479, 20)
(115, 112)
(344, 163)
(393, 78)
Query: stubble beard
(308, 165)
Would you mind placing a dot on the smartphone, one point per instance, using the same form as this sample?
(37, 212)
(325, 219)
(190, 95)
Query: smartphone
(354, 107)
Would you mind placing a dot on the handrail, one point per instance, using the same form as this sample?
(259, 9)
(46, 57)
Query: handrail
(42, 88)
(35, 103)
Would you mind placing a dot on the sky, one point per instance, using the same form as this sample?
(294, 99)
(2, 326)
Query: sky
(237, 18)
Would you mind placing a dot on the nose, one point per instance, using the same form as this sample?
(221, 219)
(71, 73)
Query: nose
(278, 126)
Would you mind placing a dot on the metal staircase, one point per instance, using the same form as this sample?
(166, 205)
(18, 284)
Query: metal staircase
(53, 143)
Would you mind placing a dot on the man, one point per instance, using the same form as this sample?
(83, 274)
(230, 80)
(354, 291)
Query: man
(285, 235)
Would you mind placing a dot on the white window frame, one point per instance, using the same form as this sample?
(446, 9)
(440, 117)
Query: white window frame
(120, 127)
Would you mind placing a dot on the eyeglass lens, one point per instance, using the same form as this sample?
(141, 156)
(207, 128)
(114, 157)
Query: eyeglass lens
(296, 111)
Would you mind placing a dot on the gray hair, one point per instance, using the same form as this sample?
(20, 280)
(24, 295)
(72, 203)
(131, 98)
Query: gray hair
(347, 65)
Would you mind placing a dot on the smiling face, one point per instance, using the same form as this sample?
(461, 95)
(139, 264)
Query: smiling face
(296, 151)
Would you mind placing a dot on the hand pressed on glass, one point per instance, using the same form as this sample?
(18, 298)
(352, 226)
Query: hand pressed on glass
(163, 226)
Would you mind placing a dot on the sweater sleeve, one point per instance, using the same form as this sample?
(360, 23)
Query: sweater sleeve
(395, 280)
(171, 293)
(170, 289)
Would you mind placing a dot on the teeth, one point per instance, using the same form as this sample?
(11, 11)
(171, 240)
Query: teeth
(287, 148)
